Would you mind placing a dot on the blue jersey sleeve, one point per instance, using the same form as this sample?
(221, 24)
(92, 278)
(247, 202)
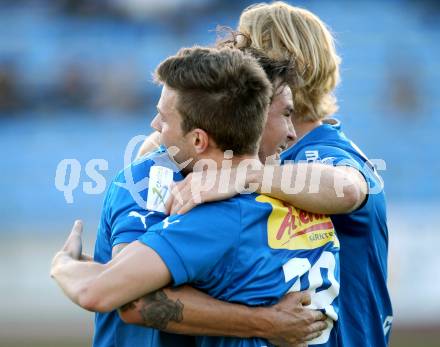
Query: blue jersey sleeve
(127, 215)
(125, 218)
(102, 252)
(191, 245)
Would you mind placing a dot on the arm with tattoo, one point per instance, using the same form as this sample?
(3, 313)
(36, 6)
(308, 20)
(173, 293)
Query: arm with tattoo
(104, 287)
(156, 310)
(186, 310)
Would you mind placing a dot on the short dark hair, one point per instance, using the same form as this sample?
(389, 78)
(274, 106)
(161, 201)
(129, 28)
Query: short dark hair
(278, 71)
(222, 91)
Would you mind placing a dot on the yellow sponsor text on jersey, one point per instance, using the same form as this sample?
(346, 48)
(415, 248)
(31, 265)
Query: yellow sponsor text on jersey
(291, 228)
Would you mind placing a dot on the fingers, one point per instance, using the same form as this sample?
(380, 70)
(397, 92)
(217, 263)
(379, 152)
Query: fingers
(175, 200)
(178, 200)
(170, 200)
(302, 298)
(77, 227)
(189, 205)
(317, 328)
(305, 299)
(183, 199)
(73, 244)
(86, 257)
(318, 315)
(75, 233)
(313, 336)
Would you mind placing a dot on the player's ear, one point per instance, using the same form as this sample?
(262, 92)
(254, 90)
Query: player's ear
(200, 140)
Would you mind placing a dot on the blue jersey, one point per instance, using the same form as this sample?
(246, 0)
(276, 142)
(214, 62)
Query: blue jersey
(366, 313)
(124, 218)
(252, 250)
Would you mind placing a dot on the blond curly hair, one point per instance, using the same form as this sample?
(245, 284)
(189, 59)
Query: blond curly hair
(285, 32)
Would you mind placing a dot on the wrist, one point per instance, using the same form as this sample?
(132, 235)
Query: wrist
(264, 327)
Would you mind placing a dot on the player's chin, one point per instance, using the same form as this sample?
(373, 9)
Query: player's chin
(280, 150)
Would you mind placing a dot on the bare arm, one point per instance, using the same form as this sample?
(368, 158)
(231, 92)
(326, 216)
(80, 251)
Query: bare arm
(150, 144)
(105, 287)
(188, 311)
(313, 187)
(64, 268)
(318, 188)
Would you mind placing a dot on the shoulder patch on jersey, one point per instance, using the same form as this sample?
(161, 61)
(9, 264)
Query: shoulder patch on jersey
(328, 161)
(159, 185)
(162, 168)
(312, 155)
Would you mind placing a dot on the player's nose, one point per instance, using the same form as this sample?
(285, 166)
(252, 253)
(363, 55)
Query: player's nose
(156, 123)
(291, 135)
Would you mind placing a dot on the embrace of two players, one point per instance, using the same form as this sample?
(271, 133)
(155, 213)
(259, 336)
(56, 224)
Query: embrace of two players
(287, 246)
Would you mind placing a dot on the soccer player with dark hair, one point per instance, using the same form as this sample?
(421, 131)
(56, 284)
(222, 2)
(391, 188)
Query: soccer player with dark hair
(250, 249)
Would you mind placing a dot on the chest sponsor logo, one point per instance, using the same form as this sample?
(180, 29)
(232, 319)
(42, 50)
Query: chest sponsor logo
(291, 228)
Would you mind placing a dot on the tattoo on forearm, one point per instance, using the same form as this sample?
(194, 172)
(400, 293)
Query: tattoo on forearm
(157, 310)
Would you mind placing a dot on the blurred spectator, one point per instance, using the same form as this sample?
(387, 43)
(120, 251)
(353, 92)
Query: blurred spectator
(119, 88)
(84, 7)
(429, 11)
(11, 99)
(74, 91)
(402, 86)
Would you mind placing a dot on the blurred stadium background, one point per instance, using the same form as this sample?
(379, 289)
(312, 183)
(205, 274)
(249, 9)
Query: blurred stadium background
(75, 83)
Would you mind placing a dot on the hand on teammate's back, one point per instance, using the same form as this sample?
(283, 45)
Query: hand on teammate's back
(293, 324)
(198, 188)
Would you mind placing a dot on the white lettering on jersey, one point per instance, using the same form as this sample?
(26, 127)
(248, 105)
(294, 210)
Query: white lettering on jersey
(323, 299)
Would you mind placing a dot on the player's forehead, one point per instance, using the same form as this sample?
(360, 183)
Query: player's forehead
(282, 99)
(167, 101)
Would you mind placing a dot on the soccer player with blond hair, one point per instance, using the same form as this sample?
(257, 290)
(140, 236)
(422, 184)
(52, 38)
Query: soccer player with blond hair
(283, 31)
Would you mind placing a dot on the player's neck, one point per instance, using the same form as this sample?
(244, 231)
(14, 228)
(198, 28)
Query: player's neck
(304, 127)
(219, 159)
(237, 160)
